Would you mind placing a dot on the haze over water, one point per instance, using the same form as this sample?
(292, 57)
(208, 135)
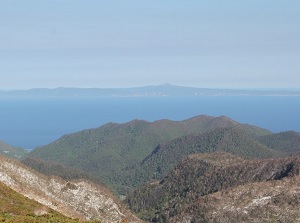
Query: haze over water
(32, 122)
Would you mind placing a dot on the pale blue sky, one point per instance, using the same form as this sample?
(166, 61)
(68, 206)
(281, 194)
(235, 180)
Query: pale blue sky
(117, 43)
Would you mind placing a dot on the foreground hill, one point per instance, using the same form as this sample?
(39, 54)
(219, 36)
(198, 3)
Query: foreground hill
(11, 151)
(260, 202)
(106, 152)
(203, 174)
(16, 208)
(77, 199)
(166, 156)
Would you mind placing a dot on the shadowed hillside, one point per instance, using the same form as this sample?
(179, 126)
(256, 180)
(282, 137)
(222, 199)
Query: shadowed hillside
(233, 140)
(57, 169)
(287, 142)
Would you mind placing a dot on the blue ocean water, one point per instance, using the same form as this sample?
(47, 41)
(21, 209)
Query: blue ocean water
(32, 122)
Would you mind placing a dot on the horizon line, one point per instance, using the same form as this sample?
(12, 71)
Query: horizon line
(158, 85)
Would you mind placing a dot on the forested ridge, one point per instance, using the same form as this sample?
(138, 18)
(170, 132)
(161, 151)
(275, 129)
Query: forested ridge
(203, 174)
(11, 151)
(164, 169)
(113, 151)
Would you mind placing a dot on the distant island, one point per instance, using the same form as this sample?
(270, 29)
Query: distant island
(146, 91)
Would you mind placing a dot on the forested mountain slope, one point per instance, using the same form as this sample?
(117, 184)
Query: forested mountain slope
(11, 151)
(202, 174)
(233, 140)
(51, 168)
(106, 152)
(287, 142)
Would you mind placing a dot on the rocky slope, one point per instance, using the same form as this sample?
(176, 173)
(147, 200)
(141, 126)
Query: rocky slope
(15, 208)
(260, 202)
(203, 174)
(77, 199)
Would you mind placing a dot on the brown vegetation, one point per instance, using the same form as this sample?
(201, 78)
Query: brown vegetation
(203, 174)
(268, 201)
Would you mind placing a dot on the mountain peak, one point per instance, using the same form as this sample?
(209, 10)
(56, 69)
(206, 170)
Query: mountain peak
(168, 85)
(114, 148)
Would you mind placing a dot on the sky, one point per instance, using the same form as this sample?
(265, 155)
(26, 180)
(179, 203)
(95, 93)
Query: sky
(117, 43)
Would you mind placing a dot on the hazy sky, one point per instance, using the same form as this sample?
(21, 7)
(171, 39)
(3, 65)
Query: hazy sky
(123, 43)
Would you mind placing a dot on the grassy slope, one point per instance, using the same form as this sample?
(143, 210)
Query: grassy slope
(107, 151)
(76, 198)
(16, 208)
(203, 174)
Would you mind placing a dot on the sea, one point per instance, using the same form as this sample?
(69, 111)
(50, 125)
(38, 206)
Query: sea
(31, 122)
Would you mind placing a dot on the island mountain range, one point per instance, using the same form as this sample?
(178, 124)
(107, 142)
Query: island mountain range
(156, 90)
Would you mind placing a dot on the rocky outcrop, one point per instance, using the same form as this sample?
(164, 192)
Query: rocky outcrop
(269, 201)
(77, 199)
(200, 175)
